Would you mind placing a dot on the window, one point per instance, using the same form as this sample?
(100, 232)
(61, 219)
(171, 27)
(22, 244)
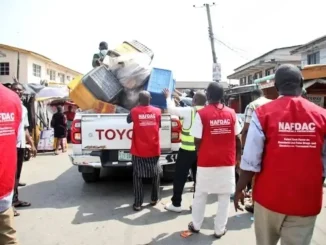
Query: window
(250, 79)
(37, 70)
(52, 74)
(244, 80)
(61, 77)
(313, 58)
(258, 75)
(68, 78)
(4, 69)
(269, 71)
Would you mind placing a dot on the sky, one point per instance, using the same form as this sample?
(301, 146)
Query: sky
(69, 31)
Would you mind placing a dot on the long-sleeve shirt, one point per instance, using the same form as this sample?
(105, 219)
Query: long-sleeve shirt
(254, 147)
(183, 112)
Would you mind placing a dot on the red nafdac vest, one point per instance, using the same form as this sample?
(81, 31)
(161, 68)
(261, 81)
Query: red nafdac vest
(146, 131)
(290, 181)
(10, 118)
(217, 148)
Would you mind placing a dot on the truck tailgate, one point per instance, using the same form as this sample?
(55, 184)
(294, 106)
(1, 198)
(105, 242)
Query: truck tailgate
(112, 132)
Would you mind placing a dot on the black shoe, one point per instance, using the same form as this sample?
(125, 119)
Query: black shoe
(249, 208)
(21, 184)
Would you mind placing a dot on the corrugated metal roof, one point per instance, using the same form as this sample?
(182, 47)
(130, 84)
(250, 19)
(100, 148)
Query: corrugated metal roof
(309, 44)
(313, 82)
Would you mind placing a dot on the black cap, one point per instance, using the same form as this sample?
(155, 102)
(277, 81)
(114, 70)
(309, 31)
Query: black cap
(103, 45)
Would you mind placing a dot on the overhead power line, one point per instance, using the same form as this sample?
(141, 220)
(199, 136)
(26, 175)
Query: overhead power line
(232, 49)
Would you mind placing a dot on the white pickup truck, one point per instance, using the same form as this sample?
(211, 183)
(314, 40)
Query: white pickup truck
(104, 140)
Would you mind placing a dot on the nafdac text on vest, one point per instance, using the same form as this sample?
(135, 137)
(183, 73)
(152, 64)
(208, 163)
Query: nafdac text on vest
(296, 127)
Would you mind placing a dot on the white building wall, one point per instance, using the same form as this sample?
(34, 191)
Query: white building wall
(34, 60)
(26, 74)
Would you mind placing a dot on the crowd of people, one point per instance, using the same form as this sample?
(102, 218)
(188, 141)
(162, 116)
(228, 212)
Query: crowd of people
(281, 154)
(281, 151)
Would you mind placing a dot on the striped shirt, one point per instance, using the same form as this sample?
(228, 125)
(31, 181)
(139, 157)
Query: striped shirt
(253, 106)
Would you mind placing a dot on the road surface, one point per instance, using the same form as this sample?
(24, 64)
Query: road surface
(66, 211)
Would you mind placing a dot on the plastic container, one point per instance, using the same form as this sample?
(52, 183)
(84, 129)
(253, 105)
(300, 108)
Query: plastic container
(103, 107)
(141, 48)
(159, 80)
(81, 95)
(120, 109)
(102, 84)
(133, 46)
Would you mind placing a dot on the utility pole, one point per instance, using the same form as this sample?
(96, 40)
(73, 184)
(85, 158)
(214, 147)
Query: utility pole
(210, 30)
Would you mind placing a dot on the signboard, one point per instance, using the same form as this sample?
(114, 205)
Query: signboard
(317, 99)
(267, 84)
(46, 140)
(217, 72)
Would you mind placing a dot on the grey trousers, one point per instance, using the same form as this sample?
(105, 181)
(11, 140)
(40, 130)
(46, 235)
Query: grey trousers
(270, 227)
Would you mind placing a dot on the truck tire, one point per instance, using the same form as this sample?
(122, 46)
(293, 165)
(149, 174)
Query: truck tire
(27, 155)
(92, 177)
(168, 173)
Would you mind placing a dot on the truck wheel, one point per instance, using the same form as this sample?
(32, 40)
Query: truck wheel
(92, 177)
(168, 173)
(27, 155)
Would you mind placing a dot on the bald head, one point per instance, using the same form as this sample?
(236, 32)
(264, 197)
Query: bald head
(199, 98)
(288, 80)
(215, 92)
(144, 98)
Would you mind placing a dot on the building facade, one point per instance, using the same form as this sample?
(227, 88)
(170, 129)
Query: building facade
(31, 67)
(196, 84)
(313, 52)
(265, 65)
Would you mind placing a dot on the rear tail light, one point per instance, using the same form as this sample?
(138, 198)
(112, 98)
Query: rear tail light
(76, 132)
(175, 131)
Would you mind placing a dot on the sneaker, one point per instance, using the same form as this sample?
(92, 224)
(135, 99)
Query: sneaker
(172, 208)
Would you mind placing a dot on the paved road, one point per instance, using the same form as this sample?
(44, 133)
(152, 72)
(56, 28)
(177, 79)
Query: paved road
(67, 211)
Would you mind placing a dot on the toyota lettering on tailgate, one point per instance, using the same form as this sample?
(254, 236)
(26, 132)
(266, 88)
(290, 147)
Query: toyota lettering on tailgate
(112, 134)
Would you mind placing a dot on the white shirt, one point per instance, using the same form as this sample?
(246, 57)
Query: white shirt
(183, 112)
(219, 180)
(21, 137)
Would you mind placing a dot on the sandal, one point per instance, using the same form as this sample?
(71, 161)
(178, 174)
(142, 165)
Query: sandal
(16, 212)
(136, 208)
(21, 204)
(219, 236)
(192, 228)
(153, 203)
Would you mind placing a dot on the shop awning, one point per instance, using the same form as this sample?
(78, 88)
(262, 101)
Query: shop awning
(241, 89)
(313, 82)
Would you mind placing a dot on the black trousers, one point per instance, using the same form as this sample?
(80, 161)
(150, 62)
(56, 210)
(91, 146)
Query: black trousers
(20, 160)
(139, 190)
(186, 160)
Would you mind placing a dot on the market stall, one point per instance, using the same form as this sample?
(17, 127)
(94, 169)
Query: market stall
(47, 101)
(239, 97)
(267, 85)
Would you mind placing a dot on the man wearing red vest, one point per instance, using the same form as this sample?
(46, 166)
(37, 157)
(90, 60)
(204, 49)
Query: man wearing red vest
(145, 148)
(10, 118)
(216, 131)
(285, 146)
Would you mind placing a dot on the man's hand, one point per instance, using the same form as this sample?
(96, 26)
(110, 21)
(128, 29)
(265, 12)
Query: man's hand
(166, 93)
(33, 151)
(238, 196)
